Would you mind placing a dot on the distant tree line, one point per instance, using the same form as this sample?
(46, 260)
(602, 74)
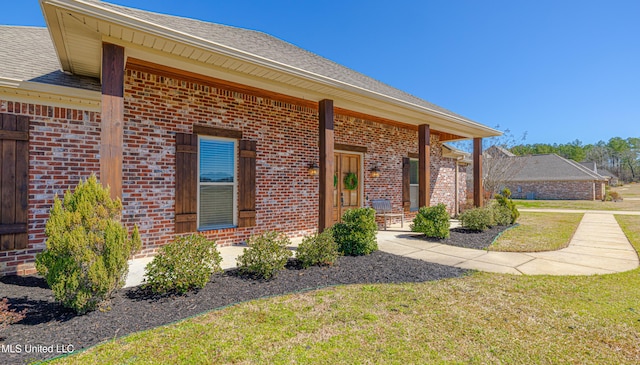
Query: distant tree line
(619, 156)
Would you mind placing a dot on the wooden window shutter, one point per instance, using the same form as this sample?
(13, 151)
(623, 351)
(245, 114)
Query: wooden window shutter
(406, 183)
(186, 182)
(247, 184)
(14, 184)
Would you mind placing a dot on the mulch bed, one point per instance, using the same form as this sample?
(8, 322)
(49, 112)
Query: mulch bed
(462, 237)
(131, 310)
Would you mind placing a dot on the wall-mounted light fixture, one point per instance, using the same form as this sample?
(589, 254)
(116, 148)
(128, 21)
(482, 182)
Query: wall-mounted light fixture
(313, 169)
(374, 172)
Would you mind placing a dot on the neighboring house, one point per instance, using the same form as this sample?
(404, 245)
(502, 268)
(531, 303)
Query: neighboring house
(612, 179)
(552, 177)
(201, 127)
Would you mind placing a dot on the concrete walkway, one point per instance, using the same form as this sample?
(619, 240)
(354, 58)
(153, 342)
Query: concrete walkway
(598, 247)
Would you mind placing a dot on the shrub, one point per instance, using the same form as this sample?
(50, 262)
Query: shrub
(504, 200)
(356, 234)
(477, 219)
(502, 215)
(319, 249)
(432, 221)
(87, 247)
(613, 196)
(9, 316)
(267, 254)
(186, 263)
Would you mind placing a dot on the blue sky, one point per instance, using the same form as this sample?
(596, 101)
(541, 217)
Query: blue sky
(559, 70)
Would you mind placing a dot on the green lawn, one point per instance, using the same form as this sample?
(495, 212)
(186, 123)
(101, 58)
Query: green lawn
(627, 191)
(478, 319)
(625, 205)
(538, 232)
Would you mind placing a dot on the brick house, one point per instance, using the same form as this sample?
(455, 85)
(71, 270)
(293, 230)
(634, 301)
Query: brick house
(552, 177)
(204, 127)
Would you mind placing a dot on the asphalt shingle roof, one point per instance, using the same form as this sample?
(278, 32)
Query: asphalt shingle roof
(27, 54)
(551, 167)
(272, 48)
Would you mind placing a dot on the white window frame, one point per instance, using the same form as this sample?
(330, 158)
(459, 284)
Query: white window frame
(413, 209)
(235, 182)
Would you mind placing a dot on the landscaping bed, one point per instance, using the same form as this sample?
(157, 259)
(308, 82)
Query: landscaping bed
(463, 237)
(48, 323)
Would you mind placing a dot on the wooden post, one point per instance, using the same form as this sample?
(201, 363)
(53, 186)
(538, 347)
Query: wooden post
(478, 190)
(424, 165)
(327, 164)
(112, 118)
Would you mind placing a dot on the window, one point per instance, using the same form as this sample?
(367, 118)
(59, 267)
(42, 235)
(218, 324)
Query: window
(216, 183)
(413, 183)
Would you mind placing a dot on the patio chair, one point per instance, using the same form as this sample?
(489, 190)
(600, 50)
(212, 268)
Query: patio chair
(383, 209)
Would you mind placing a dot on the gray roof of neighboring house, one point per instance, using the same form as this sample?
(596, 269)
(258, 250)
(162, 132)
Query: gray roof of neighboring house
(606, 173)
(27, 54)
(272, 48)
(551, 167)
(600, 171)
(498, 151)
(590, 165)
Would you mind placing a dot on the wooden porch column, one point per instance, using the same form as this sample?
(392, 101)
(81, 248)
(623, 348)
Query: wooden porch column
(112, 118)
(424, 165)
(478, 190)
(327, 164)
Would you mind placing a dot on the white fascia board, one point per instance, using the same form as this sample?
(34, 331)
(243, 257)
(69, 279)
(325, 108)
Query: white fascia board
(63, 96)
(95, 10)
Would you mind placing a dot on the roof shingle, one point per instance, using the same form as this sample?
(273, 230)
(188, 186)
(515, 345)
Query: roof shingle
(272, 48)
(27, 54)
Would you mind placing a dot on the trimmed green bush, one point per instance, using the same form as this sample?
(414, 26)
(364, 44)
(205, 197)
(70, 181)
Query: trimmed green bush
(432, 221)
(477, 219)
(501, 215)
(267, 254)
(185, 264)
(504, 199)
(356, 234)
(319, 249)
(87, 247)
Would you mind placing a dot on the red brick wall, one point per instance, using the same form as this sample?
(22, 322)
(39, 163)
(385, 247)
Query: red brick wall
(63, 148)
(157, 107)
(554, 190)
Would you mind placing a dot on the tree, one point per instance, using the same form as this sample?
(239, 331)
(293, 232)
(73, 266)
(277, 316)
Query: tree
(499, 165)
(620, 156)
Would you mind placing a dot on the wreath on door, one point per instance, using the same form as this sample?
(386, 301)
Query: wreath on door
(350, 181)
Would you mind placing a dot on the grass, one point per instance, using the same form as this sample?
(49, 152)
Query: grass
(538, 232)
(478, 319)
(626, 205)
(627, 191)
(631, 226)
